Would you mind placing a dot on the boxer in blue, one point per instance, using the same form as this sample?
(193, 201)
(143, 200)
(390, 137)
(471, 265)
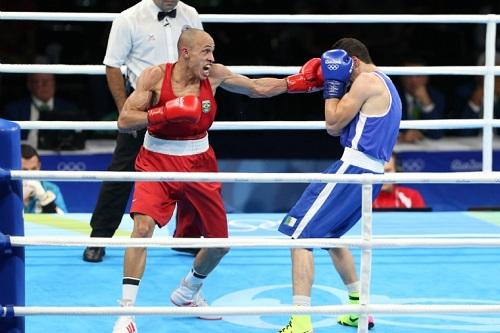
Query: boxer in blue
(366, 117)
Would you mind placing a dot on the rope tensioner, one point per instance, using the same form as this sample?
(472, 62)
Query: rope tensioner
(5, 244)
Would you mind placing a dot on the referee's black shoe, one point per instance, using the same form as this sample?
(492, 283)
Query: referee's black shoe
(94, 254)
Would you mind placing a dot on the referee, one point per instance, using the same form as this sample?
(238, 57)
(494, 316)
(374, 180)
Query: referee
(143, 35)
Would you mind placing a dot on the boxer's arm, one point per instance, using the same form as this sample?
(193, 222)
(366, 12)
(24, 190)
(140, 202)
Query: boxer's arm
(133, 115)
(339, 112)
(240, 84)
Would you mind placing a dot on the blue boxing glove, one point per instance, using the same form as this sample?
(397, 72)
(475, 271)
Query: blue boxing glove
(336, 66)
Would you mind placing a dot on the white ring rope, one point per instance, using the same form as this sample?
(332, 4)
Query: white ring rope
(256, 70)
(100, 69)
(251, 310)
(272, 18)
(247, 177)
(260, 125)
(242, 242)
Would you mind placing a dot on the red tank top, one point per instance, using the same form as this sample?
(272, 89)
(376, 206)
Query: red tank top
(184, 131)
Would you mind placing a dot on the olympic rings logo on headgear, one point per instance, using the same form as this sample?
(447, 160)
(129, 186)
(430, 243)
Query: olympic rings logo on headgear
(71, 166)
(413, 164)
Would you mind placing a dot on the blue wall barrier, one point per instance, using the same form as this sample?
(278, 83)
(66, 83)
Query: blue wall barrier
(277, 198)
(446, 197)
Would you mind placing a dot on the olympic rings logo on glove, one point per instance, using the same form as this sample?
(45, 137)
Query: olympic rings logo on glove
(71, 166)
(333, 67)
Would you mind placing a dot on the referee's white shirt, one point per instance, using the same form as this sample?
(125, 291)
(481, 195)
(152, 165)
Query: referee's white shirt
(138, 40)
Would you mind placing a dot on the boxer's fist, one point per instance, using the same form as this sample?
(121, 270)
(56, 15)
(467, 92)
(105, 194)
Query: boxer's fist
(336, 67)
(185, 109)
(34, 189)
(312, 70)
(309, 78)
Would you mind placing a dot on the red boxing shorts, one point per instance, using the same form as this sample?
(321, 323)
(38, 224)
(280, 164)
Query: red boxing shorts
(199, 203)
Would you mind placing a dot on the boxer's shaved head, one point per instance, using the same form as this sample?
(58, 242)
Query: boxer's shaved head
(190, 37)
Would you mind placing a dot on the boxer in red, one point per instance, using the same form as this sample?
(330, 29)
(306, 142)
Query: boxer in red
(176, 103)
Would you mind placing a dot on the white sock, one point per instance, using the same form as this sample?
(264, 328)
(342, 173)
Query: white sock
(194, 279)
(130, 288)
(353, 287)
(301, 300)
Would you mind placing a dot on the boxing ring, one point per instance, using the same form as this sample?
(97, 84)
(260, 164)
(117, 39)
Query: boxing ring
(432, 271)
(257, 277)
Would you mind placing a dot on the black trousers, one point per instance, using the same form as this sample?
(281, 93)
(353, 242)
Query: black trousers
(113, 196)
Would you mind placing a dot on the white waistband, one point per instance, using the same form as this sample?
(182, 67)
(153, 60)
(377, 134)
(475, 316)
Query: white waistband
(361, 160)
(176, 147)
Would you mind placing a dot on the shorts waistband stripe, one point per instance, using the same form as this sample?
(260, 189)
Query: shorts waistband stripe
(362, 160)
(176, 147)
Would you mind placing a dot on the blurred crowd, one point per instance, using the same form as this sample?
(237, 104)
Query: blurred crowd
(86, 97)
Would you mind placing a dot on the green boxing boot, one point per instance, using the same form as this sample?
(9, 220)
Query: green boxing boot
(298, 324)
(352, 319)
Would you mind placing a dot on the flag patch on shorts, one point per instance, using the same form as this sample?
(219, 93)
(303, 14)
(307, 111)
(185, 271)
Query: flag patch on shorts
(290, 221)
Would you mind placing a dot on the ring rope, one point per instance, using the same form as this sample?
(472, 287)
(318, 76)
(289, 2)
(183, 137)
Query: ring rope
(484, 177)
(261, 125)
(268, 18)
(255, 70)
(100, 69)
(251, 310)
(247, 242)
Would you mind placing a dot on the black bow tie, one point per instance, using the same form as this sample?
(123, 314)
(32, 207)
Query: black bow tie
(162, 15)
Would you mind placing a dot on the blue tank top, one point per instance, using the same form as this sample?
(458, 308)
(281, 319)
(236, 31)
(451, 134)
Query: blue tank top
(375, 135)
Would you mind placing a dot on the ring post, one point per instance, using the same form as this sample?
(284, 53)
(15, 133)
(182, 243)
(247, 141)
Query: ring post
(11, 224)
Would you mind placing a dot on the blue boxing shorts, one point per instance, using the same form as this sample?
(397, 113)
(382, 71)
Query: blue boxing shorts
(329, 210)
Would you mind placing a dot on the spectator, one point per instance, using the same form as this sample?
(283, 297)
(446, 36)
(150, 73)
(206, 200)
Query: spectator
(43, 104)
(143, 35)
(420, 101)
(39, 196)
(469, 99)
(396, 196)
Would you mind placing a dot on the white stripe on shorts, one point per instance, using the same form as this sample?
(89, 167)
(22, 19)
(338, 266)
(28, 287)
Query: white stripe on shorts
(176, 147)
(362, 160)
(318, 203)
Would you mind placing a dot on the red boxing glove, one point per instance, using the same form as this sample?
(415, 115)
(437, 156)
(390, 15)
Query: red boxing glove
(309, 78)
(185, 109)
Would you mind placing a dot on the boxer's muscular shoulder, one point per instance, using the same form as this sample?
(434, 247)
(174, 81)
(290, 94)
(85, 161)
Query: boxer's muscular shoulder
(151, 78)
